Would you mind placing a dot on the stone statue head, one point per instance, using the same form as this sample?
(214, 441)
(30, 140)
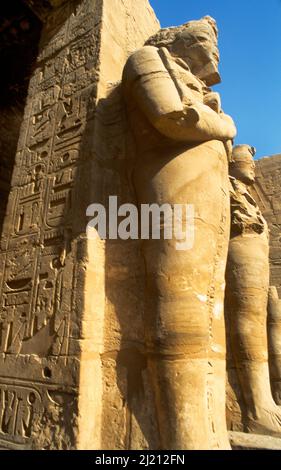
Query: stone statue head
(195, 42)
(242, 165)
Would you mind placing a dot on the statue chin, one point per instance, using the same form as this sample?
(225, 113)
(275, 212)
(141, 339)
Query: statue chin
(248, 180)
(210, 74)
(212, 79)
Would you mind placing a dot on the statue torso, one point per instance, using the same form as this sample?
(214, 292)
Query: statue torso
(190, 89)
(246, 217)
(167, 170)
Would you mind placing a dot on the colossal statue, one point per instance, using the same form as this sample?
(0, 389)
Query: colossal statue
(274, 342)
(183, 140)
(247, 281)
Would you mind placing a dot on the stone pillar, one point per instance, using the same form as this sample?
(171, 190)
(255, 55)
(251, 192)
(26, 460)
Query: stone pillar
(59, 333)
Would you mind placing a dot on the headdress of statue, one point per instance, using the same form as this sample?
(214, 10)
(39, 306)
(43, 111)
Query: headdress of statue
(196, 43)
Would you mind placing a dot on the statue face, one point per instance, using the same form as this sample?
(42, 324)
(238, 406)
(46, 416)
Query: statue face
(199, 49)
(243, 166)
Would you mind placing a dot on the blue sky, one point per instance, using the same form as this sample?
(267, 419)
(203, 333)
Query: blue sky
(250, 67)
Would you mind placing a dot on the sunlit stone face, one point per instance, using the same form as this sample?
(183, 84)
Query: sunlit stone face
(243, 165)
(197, 45)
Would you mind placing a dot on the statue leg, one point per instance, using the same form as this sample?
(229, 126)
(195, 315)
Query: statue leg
(274, 342)
(186, 342)
(217, 341)
(247, 296)
(184, 321)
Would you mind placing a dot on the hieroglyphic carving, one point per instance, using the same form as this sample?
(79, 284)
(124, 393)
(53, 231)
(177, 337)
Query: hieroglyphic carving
(24, 408)
(58, 169)
(16, 299)
(37, 260)
(32, 295)
(19, 408)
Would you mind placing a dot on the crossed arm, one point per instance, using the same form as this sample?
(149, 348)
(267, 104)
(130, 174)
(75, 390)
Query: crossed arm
(149, 84)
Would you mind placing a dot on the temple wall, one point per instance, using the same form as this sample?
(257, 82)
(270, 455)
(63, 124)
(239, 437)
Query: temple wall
(267, 194)
(62, 328)
(73, 370)
(127, 397)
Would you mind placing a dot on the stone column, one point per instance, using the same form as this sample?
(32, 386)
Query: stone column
(53, 282)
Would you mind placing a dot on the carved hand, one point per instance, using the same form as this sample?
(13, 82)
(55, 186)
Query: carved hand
(196, 123)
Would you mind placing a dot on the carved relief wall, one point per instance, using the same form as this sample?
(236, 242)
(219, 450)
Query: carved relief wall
(40, 324)
(73, 370)
(267, 194)
(53, 314)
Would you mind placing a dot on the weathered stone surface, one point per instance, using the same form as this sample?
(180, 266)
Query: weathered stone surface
(247, 289)
(243, 441)
(274, 342)
(52, 281)
(127, 398)
(101, 342)
(182, 138)
(267, 194)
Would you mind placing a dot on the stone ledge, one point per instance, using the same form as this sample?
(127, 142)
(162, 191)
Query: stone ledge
(244, 441)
